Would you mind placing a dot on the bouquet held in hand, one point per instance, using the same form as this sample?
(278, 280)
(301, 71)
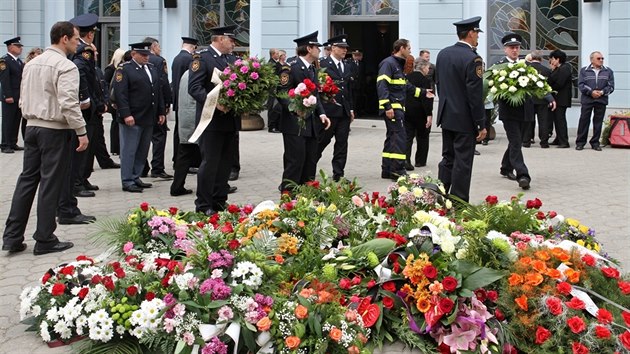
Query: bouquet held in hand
(515, 82)
(327, 87)
(302, 100)
(246, 85)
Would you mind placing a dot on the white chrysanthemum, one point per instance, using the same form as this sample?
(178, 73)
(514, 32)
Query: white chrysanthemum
(513, 74)
(523, 81)
(402, 190)
(43, 331)
(461, 253)
(417, 192)
(512, 89)
(52, 314)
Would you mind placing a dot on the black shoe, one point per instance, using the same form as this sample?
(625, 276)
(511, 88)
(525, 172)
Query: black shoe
(193, 171)
(409, 166)
(162, 175)
(477, 152)
(527, 144)
(555, 142)
(144, 174)
(181, 192)
(233, 176)
(523, 182)
(484, 142)
(7, 151)
(57, 247)
(597, 148)
(336, 178)
(274, 130)
(544, 145)
(132, 188)
(509, 175)
(232, 189)
(210, 212)
(17, 148)
(564, 146)
(386, 175)
(77, 220)
(579, 147)
(420, 165)
(141, 184)
(15, 248)
(89, 186)
(110, 165)
(83, 193)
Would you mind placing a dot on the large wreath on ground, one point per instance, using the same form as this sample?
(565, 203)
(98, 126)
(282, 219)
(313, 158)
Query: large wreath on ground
(337, 270)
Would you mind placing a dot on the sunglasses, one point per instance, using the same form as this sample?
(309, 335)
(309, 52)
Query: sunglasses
(600, 58)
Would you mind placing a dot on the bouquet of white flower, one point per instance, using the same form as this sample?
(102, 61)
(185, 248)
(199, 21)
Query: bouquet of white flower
(514, 83)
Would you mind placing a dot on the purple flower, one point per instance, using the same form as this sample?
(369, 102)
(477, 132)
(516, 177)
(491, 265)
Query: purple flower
(226, 83)
(217, 287)
(215, 346)
(254, 75)
(244, 69)
(256, 64)
(242, 86)
(230, 93)
(233, 77)
(169, 299)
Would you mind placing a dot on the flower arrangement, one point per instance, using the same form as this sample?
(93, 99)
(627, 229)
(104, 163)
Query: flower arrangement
(302, 100)
(327, 87)
(515, 82)
(246, 84)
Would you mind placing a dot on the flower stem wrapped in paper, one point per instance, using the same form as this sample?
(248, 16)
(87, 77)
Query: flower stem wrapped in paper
(302, 100)
(514, 83)
(246, 85)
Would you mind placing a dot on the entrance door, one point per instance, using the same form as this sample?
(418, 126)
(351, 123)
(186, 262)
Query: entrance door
(375, 40)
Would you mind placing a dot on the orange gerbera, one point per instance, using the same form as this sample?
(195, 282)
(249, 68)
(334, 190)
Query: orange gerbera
(539, 266)
(522, 302)
(542, 255)
(533, 279)
(515, 279)
(572, 275)
(423, 305)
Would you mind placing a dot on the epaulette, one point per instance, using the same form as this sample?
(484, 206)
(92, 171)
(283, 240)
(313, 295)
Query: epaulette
(3, 64)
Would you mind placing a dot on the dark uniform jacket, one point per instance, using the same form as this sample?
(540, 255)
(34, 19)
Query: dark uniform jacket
(561, 81)
(358, 73)
(459, 72)
(419, 109)
(544, 71)
(136, 95)
(392, 86)
(181, 63)
(10, 77)
(344, 98)
(289, 120)
(89, 85)
(160, 64)
(199, 84)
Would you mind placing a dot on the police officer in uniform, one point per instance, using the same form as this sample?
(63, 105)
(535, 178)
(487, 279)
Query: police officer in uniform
(392, 88)
(341, 109)
(274, 109)
(180, 64)
(461, 112)
(137, 87)
(10, 78)
(300, 144)
(217, 143)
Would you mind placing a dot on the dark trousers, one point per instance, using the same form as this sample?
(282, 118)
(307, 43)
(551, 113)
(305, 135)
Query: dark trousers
(542, 115)
(96, 149)
(11, 118)
(217, 157)
(299, 160)
(560, 122)
(114, 139)
(236, 156)
(455, 169)
(416, 127)
(176, 139)
(68, 206)
(187, 154)
(488, 120)
(395, 146)
(274, 113)
(158, 140)
(513, 157)
(340, 129)
(599, 110)
(46, 161)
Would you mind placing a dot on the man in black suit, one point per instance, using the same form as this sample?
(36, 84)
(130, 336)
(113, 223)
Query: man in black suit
(561, 81)
(461, 112)
(515, 120)
(300, 143)
(541, 108)
(274, 109)
(180, 64)
(10, 78)
(217, 143)
(140, 103)
(357, 82)
(340, 110)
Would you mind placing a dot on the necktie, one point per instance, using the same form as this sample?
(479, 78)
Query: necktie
(340, 67)
(20, 61)
(146, 70)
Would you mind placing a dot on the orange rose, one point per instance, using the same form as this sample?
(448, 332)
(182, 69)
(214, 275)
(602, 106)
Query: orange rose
(292, 342)
(542, 255)
(539, 266)
(522, 302)
(300, 224)
(515, 279)
(533, 279)
(525, 260)
(301, 312)
(335, 334)
(263, 324)
(573, 276)
(353, 350)
(560, 254)
(324, 297)
(362, 338)
(553, 273)
(306, 292)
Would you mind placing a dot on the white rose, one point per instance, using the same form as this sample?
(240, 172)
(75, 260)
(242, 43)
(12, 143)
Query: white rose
(501, 78)
(491, 82)
(540, 84)
(512, 89)
(447, 245)
(503, 86)
(521, 70)
(503, 73)
(495, 72)
(493, 90)
(510, 65)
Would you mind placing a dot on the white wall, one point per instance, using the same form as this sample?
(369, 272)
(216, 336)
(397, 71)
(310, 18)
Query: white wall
(618, 51)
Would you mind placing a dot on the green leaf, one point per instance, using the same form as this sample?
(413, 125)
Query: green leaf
(299, 330)
(482, 278)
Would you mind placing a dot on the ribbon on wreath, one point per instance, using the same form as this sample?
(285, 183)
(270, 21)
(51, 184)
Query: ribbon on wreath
(208, 331)
(212, 98)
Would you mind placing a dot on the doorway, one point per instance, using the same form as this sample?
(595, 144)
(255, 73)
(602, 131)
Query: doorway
(375, 41)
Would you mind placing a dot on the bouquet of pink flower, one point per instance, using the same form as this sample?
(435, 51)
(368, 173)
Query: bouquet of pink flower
(246, 85)
(302, 100)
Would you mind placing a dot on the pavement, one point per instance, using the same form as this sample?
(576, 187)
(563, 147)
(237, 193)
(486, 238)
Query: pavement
(587, 185)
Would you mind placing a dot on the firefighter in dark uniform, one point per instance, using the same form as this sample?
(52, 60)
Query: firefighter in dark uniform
(91, 101)
(392, 89)
(140, 104)
(341, 109)
(461, 114)
(300, 144)
(180, 64)
(159, 130)
(217, 143)
(10, 79)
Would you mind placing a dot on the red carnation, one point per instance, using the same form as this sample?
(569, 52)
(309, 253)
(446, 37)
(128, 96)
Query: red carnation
(554, 305)
(233, 244)
(233, 209)
(388, 302)
(429, 271)
(493, 295)
(624, 286)
(46, 277)
(604, 316)
(499, 314)
(356, 280)
(67, 270)
(449, 283)
(389, 286)
(149, 296)
(589, 260)
(579, 348)
(305, 93)
(576, 324)
(602, 332)
(345, 283)
(564, 288)
(576, 304)
(227, 228)
(84, 258)
(144, 206)
(132, 290)
(624, 338)
(446, 305)
(542, 334)
(626, 317)
(481, 294)
(610, 272)
(492, 199)
(58, 289)
(83, 293)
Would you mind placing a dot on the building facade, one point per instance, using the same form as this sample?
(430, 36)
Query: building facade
(576, 26)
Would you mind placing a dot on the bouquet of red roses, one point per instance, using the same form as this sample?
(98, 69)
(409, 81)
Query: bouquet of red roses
(302, 100)
(327, 87)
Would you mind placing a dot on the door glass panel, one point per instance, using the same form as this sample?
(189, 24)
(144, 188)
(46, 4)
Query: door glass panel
(345, 7)
(87, 7)
(382, 7)
(111, 8)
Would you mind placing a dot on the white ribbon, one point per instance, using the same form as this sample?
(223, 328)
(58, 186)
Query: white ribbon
(208, 107)
(208, 331)
(264, 341)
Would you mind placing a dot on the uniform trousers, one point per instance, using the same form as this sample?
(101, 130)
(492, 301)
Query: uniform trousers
(455, 169)
(513, 157)
(340, 129)
(395, 146)
(135, 141)
(274, 113)
(11, 118)
(217, 157)
(299, 160)
(187, 155)
(544, 125)
(416, 127)
(560, 122)
(114, 132)
(159, 145)
(599, 110)
(96, 149)
(46, 159)
(176, 139)
(236, 155)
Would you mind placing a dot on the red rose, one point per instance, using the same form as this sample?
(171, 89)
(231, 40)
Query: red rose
(493, 295)
(314, 184)
(58, 289)
(388, 302)
(542, 334)
(576, 324)
(389, 286)
(356, 280)
(96, 279)
(46, 277)
(492, 199)
(370, 283)
(589, 260)
(390, 211)
(144, 206)
(540, 215)
(247, 209)
(233, 244)
(429, 271)
(576, 304)
(610, 272)
(579, 348)
(149, 296)
(446, 305)
(555, 305)
(449, 283)
(132, 290)
(396, 268)
(233, 209)
(602, 332)
(626, 317)
(120, 273)
(552, 214)
(292, 93)
(108, 283)
(67, 270)
(499, 314)
(624, 338)
(83, 293)
(345, 283)
(564, 288)
(624, 286)
(227, 228)
(604, 316)
(444, 349)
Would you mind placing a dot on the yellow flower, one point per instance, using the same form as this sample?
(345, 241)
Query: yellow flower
(332, 207)
(163, 213)
(572, 222)
(596, 246)
(417, 192)
(583, 229)
(580, 242)
(321, 209)
(402, 190)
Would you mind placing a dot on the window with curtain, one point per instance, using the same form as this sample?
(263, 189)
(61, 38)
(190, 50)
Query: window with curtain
(213, 13)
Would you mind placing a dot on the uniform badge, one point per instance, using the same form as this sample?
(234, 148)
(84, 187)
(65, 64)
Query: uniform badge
(3, 66)
(479, 71)
(284, 79)
(119, 76)
(195, 65)
(86, 55)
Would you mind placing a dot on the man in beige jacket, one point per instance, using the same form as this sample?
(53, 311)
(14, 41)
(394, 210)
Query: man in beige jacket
(50, 103)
